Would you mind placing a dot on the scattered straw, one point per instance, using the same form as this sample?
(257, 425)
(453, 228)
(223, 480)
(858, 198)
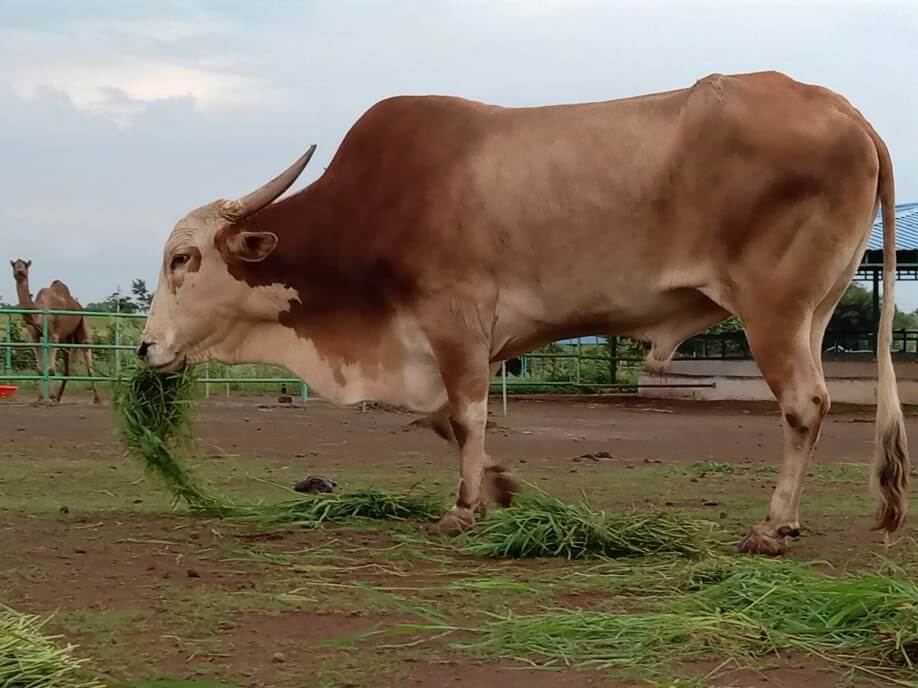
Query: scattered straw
(31, 659)
(346, 506)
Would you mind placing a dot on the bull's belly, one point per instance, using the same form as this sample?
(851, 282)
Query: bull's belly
(527, 319)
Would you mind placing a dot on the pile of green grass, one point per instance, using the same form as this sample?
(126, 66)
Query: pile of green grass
(31, 659)
(155, 417)
(866, 623)
(539, 525)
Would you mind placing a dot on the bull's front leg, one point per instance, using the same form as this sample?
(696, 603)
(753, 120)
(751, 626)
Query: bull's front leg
(469, 419)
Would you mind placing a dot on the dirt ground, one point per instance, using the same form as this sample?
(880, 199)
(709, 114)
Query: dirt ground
(150, 593)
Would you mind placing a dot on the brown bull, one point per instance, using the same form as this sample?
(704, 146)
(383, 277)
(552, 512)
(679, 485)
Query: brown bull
(448, 235)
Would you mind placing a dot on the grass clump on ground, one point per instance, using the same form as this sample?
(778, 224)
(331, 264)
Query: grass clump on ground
(155, 417)
(866, 623)
(31, 659)
(539, 525)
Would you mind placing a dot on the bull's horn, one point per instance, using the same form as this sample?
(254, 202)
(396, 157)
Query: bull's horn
(258, 199)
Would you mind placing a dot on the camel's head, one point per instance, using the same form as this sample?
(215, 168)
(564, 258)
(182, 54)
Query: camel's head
(21, 269)
(199, 308)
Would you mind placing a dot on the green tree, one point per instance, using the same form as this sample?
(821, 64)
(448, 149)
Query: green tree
(141, 295)
(115, 303)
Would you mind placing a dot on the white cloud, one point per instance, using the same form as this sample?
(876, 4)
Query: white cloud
(115, 68)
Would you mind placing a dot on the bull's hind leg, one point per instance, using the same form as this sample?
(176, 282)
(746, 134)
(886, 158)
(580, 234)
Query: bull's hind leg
(782, 346)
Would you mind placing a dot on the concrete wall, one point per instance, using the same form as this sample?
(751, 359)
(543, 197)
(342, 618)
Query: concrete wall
(849, 381)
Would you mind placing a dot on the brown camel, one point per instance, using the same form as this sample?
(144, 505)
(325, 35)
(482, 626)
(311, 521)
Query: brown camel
(62, 329)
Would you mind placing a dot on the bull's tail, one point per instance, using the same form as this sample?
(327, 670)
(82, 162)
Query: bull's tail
(891, 460)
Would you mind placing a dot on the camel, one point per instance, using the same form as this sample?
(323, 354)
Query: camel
(62, 329)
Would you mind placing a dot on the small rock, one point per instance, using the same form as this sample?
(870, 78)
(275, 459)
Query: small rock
(279, 658)
(191, 573)
(301, 455)
(65, 509)
(710, 502)
(602, 455)
(79, 551)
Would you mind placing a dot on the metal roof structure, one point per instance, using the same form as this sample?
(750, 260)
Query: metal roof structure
(906, 229)
(906, 245)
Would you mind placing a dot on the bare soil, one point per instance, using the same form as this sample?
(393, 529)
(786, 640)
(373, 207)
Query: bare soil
(122, 575)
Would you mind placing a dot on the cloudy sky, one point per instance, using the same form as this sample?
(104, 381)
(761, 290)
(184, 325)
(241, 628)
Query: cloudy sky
(118, 117)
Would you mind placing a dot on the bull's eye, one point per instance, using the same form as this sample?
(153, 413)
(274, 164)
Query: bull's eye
(178, 260)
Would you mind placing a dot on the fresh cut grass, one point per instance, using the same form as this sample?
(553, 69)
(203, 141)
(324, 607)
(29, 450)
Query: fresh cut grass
(155, 418)
(866, 623)
(539, 525)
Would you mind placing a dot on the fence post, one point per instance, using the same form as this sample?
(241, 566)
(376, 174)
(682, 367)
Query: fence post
(613, 360)
(577, 364)
(304, 391)
(8, 355)
(503, 385)
(118, 344)
(45, 363)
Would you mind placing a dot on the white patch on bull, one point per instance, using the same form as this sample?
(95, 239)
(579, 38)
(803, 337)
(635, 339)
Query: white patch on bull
(477, 412)
(416, 384)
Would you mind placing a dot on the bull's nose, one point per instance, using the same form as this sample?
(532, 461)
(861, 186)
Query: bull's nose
(142, 350)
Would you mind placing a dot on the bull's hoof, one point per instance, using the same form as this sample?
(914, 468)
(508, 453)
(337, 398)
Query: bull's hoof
(454, 522)
(761, 543)
(502, 488)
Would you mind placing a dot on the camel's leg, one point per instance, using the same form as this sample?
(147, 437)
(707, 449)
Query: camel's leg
(65, 354)
(52, 367)
(782, 345)
(84, 336)
(92, 373)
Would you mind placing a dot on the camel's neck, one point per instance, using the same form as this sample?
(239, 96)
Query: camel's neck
(25, 296)
(25, 301)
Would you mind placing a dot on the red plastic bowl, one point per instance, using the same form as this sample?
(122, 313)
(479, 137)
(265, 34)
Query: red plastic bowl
(7, 391)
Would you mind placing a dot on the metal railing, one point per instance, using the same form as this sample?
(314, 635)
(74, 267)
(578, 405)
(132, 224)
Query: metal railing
(734, 345)
(579, 365)
(119, 337)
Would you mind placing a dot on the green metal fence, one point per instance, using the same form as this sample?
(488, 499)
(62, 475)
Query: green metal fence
(115, 339)
(591, 364)
(586, 365)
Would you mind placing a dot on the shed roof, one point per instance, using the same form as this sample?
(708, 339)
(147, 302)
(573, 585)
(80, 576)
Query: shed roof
(906, 229)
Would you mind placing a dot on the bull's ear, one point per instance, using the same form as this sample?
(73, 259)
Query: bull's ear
(28, 263)
(249, 246)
